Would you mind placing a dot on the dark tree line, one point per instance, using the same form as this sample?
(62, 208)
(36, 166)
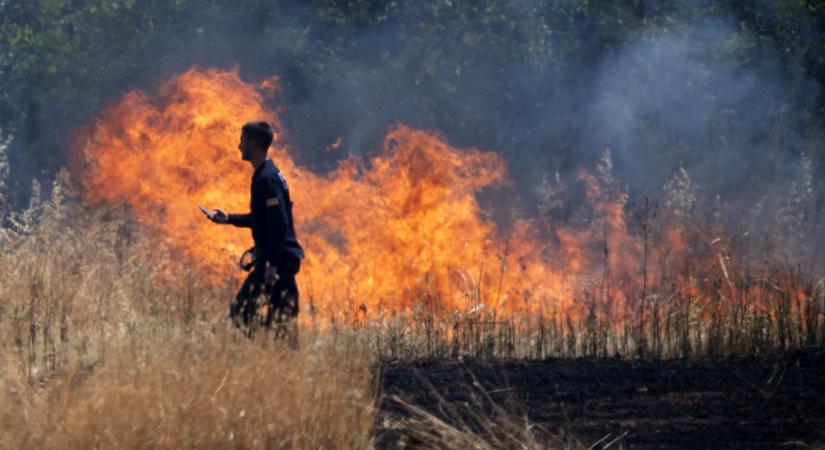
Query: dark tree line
(518, 77)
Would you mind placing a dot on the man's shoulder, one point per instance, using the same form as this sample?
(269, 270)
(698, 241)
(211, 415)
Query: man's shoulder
(266, 170)
(269, 176)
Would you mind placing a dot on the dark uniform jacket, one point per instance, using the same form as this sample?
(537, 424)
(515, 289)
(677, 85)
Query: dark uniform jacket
(271, 217)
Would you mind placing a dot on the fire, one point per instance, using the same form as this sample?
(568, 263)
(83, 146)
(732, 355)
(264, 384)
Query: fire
(165, 154)
(401, 233)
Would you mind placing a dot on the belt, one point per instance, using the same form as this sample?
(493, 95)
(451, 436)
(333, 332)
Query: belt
(251, 257)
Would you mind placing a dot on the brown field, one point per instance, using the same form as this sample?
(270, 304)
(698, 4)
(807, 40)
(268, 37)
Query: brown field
(108, 341)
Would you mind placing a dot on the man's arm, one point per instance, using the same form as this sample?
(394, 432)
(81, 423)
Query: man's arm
(239, 220)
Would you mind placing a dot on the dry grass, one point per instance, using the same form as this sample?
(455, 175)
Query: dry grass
(108, 342)
(481, 422)
(98, 355)
(105, 344)
(195, 389)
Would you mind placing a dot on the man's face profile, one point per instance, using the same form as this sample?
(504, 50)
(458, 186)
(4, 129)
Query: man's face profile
(245, 147)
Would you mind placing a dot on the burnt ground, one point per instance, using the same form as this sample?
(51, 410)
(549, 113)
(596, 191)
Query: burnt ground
(771, 401)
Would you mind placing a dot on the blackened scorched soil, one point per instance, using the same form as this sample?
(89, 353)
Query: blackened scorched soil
(771, 401)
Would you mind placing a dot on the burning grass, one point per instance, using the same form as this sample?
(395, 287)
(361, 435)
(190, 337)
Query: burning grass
(110, 341)
(103, 349)
(114, 297)
(400, 240)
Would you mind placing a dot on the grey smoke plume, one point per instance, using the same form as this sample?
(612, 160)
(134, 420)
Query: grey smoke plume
(667, 99)
(544, 84)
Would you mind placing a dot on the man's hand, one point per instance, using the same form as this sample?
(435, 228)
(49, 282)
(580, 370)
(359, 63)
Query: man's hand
(219, 216)
(271, 276)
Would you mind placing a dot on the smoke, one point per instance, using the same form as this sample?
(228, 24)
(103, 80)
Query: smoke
(697, 96)
(546, 85)
(668, 99)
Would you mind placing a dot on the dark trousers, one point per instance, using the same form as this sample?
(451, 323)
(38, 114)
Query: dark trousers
(281, 298)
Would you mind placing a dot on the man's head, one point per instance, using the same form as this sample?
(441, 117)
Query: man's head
(256, 137)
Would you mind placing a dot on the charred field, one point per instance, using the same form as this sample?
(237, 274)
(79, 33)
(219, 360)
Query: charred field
(766, 401)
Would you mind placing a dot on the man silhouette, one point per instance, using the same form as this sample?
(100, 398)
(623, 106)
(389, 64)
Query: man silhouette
(276, 257)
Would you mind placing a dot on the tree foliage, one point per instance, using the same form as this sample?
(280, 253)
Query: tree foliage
(508, 75)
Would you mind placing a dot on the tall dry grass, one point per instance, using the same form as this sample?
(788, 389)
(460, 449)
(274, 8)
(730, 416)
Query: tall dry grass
(101, 350)
(194, 389)
(108, 342)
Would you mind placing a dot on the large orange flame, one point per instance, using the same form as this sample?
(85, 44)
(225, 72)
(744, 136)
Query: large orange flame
(400, 233)
(165, 154)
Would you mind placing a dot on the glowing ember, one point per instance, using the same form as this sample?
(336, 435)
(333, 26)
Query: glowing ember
(402, 232)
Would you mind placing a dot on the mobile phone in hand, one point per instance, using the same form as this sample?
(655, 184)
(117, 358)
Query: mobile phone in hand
(205, 212)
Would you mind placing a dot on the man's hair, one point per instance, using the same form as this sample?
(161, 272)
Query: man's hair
(260, 132)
